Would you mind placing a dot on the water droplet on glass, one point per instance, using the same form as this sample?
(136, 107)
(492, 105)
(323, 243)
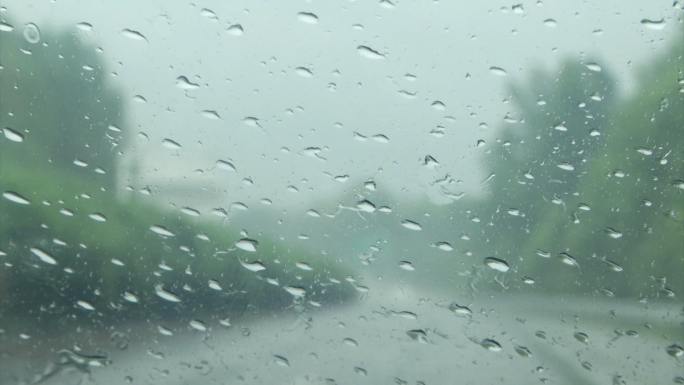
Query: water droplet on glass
(130, 297)
(411, 225)
(198, 325)
(235, 30)
(566, 166)
(491, 345)
(209, 14)
(166, 294)
(190, 211)
(523, 351)
(16, 198)
(214, 285)
(444, 246)
(439, 106)
(210, 114)
(568, 259)
(253, 266)
(282, 361)
(6, 27)
(139, 99)
(581, 337)
(98, 217)
(162, 231)
(498, 71)
(653, 24)
(133, 35)
(369, 53)
(85, 305)
(550, 23)
(418, 335)
(613, 233)
(168, 143)
(408, 266)
(366, 206)
(304, 266)
(295, 291)
(497, 264)
(594, 67)
(675, 351)
(247, 244)
(44, 256)
(31, 33)
(350, 342)
(303, 71)
(307, 17)
(13, 135)
(86, 27)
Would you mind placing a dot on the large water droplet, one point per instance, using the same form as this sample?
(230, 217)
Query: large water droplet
(411, 225)
(166, 294)
(307, 17)
(498, 71)
(13, 135)
(369, 53)
(653, 24)
(162, 231)
(16, 198)
(31, 33)
(133, 35)
(247, 244)
(45, 257)
(497, 264)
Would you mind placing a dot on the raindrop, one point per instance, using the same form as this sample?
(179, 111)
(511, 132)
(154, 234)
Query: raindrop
(133, 35)
(460, 310)
(491, 345)
(439, 106)
(209, 14)
(224, 165)
(594, 67)
(214, 285)
(86, 27)
(381, 138)
(566, 166)
(430, 161)
(190, 211)
(247, 244)
(130, 297)
(198, 325)
(444, 246)
(13, 135)
(117, 262)
(523, 351)
(31, 33)
(411, 225)
(369, 53)
(304, 266)
(307, 17)
(498, 71)
(653, 24)
(168, 143)
(210, 114)
(586, 365)
(613, 233)
(162, 231)
(313, 213)
(366, 206)
(644, 151)
(550, 23)
(407, 94)
(45, 257)
(235, 30)
(581, 337)
(568, 259)
(282, 361)
(184, 83)
(98, 217)
(16, 198)
(408, 266)
(85, 305)
(6, 27)
(166, 295)
(418, 335)
(675, 351)
(305, 72)
(497, 264)
(253, 266)
(295, 291)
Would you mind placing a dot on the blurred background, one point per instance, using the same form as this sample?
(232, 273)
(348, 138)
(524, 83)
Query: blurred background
(189, 167)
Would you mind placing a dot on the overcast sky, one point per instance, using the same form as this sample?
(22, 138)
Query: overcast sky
(437, 51)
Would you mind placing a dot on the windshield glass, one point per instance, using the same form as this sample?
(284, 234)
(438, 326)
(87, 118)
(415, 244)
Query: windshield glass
(350, 192)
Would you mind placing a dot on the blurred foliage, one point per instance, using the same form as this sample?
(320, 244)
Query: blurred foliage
(55, 94)
(620, 212)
